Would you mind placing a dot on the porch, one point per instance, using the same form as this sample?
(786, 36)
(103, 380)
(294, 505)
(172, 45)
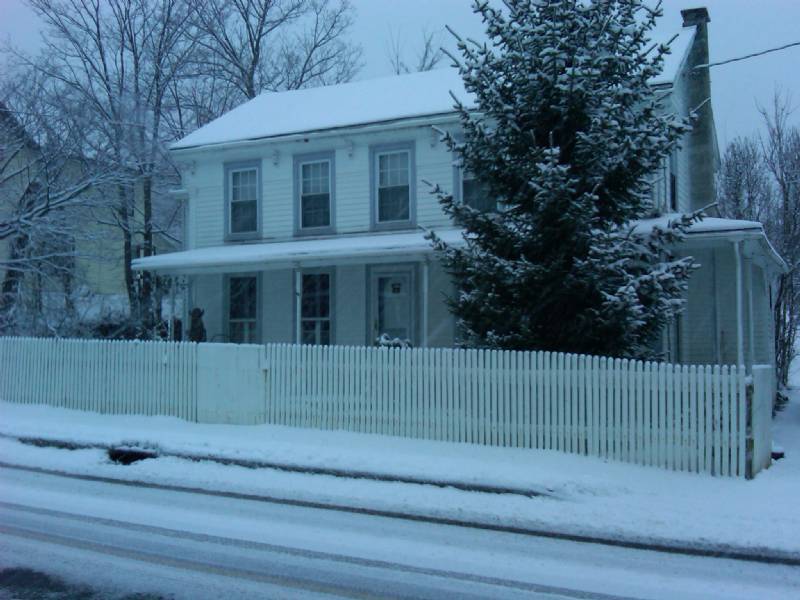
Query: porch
(352, 289)
(347, 290)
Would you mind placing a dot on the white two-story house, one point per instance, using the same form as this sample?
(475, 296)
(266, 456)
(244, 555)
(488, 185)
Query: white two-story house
(307, 214)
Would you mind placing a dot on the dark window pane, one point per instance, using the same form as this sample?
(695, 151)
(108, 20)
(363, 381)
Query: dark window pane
(315, 301)
(236, 333)
(242, 332)
(475, 195)
(316, 210)
(244, 216)
(308, 332)
(243, 297)
(325, 332)
(324, 305)
(393, 204)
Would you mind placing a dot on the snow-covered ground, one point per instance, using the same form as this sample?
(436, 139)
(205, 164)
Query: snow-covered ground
(187, 545)
(581, 494)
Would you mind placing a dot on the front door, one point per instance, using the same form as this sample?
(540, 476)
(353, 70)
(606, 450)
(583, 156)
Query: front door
(393, 303)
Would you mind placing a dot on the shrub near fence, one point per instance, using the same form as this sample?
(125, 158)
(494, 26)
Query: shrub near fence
(685, 418)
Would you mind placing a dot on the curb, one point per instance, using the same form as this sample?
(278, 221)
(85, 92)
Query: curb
(720, 551)
(288, 467)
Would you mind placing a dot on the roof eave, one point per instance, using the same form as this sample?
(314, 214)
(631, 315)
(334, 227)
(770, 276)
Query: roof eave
(431, 118)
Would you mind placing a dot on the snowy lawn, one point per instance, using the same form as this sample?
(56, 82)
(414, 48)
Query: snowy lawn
(584, 495)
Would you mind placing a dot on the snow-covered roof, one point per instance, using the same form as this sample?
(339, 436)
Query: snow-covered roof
(707, 225)
(274, 114)
(725, 228)
(276, 255)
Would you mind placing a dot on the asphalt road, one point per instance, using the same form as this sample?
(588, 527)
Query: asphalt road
(123, 540)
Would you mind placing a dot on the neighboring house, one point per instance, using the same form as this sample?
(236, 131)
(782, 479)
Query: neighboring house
(86, 282)
(307, 212)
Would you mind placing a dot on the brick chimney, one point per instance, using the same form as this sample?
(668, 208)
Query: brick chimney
(702, 144)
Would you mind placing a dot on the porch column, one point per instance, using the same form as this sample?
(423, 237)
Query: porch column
(751, 332)
(737, 250)
(425, 287)
(171, 325)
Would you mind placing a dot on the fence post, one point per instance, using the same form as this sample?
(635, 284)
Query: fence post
(759, 420)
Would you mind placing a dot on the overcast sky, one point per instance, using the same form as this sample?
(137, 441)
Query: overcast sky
(738, 27)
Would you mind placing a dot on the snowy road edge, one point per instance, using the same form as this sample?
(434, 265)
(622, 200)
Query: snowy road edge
(283, 466)
(722, 551)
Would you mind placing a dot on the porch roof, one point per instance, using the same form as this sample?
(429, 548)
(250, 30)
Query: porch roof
(359, 248)
(304, 252)
(722, 230)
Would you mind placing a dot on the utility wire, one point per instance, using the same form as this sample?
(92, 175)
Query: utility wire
(730, 60)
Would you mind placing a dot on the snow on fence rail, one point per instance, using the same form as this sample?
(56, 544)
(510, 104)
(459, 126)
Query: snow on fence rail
(688, 418)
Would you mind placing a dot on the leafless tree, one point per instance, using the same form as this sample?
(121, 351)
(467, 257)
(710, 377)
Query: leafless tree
(744, 182)
(760, 180)
(428, 57)
(119, 60)
(781, 149)
(258, 45)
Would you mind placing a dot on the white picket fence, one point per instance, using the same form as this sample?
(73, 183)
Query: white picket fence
(107, 376)
(688, 418)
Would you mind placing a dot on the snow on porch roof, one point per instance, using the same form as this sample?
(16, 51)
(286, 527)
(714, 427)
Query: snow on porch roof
(274, 255)
(362, 248)
(274, 114)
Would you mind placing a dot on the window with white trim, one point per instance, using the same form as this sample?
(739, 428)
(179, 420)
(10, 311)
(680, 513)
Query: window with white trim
(315, 309)
(315, 194)
(243, 309)
(243, 200)
(393, 186)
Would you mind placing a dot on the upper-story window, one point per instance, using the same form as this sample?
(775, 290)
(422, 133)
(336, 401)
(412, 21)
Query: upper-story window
(474, 193)
(314, 193)
(243, 199)
(393, 189)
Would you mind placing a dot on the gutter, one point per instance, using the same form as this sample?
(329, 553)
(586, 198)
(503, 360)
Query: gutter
(741, 235)
(405, 122)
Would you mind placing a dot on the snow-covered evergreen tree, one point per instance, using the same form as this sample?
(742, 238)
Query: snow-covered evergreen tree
(565, 133)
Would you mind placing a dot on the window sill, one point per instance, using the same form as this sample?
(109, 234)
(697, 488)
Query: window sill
(393, 226)
(315, 231)
(242, 237)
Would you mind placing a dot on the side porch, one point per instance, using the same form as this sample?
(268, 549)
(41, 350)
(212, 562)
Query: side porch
(728, 319)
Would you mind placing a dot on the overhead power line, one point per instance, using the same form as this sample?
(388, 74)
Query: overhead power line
(730, 60)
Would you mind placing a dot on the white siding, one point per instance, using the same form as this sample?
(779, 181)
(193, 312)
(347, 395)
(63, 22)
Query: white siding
(677, 104)
(204, 180)
(350, 308)
(726, 292)
(698, 339)
(763, 326)
(277, 300)
(441, 323)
